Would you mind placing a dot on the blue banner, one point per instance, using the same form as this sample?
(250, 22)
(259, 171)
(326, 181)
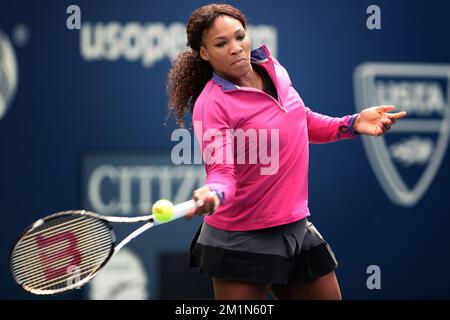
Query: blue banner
(83, 125)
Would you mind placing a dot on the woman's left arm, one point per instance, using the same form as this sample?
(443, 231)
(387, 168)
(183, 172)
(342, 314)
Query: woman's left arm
(374, 121)
(326, 129)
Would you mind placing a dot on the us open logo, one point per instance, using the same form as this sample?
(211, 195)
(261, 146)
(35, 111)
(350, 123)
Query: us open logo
(406, 160)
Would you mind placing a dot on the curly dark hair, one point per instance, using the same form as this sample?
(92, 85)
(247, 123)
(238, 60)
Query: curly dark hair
(190, 73)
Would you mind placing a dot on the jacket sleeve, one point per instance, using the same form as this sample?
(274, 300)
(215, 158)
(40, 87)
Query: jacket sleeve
(324, 129)
(321, 128)
(212, 129)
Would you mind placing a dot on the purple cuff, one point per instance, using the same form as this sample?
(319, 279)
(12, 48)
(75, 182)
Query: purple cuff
(351, 122)
(348, 130)
(219, 193)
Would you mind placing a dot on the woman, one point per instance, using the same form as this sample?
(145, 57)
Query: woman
(255, 238)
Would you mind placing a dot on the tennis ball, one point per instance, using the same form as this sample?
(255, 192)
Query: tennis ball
(162, 210)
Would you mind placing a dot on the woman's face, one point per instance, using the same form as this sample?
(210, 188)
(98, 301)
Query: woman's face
(226, 46)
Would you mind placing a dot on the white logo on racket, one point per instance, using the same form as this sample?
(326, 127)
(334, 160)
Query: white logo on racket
(75, 276)
(406, 160)
(8, 73)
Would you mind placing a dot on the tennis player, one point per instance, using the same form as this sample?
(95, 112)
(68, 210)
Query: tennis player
(256, 238)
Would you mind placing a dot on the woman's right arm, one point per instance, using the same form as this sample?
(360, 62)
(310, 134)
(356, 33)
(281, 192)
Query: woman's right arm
(214, 135)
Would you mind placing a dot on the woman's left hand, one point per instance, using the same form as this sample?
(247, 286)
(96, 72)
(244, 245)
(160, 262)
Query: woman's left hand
(376, 121)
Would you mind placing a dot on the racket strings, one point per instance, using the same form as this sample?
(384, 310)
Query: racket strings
(90, 265)
(52, 229)
(60, 251)
(73, 280)
(30, 254)
(43, 277)
(26, 249)
(35, 261)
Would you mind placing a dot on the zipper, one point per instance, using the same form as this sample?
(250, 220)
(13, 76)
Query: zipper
(272, 69)
(278, 102)
(262, 92)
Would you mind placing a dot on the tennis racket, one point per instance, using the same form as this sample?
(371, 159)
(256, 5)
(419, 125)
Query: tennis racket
(65, 250)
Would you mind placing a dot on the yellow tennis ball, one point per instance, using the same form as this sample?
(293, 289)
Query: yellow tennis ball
(162, 210)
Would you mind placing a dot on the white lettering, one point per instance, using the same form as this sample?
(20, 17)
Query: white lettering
(423, 98)
(130, 188)
(74, 20)
(374, 281)
(184, 309)
(221, 147)
(150, 42)
(373, 21)
(95, 186)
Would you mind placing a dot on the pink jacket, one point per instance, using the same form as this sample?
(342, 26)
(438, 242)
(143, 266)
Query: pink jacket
(260, 184)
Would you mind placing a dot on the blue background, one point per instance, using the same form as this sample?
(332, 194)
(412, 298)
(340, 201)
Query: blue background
(65, 106)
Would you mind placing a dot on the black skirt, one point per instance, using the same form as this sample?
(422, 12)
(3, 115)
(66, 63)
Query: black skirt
(273, 255)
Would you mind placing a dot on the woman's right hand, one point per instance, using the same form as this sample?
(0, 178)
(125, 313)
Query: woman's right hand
(206, 202)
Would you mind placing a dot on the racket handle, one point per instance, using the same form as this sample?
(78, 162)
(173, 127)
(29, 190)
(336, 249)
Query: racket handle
(180, 210)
